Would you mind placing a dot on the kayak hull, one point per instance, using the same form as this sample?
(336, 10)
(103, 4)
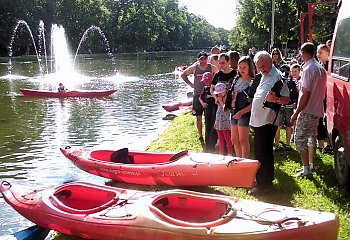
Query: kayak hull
(158, 168)
(79, 93)
(102, 212)
(177, 105)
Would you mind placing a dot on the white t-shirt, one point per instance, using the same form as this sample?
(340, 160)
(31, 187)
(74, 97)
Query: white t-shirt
(262, 115)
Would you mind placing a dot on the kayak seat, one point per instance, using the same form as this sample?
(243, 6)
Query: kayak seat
(83, 202)
(178, 155)
(192, 210)
(122, 156)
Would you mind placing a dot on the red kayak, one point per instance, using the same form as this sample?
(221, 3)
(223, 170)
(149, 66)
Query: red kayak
(100, 212)
(177, 105)
(77, 93)
(156, 168)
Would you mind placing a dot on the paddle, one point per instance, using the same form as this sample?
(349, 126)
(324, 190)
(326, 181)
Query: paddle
(33, 232)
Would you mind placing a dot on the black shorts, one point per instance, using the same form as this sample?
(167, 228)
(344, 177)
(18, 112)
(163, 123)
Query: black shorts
(197, 108)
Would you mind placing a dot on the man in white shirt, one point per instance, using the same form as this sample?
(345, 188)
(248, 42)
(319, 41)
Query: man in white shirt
(310, 106)
(264, 120)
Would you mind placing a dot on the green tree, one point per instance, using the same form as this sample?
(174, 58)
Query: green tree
(253, 26)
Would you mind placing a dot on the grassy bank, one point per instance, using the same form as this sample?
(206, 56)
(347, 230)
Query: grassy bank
(318, 192)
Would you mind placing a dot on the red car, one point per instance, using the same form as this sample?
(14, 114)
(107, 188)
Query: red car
(338, 95)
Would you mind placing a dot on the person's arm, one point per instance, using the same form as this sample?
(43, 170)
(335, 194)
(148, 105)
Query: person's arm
(240, 113)
(201, 96)
(282, 100)
(228, 102)
(303, 101)
(271, 97)
(212, 86)
(220, 101)
(186, 73)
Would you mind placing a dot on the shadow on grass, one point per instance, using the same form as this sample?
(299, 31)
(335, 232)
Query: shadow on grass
(323, 177)
(284, 188)
(325, 180)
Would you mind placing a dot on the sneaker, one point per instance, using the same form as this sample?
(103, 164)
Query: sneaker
(301, 169)
(301, 174)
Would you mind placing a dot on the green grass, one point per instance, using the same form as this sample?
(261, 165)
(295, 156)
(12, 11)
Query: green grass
(317, 192)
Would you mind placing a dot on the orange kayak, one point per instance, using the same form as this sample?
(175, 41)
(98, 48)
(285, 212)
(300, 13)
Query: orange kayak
(177, 105)
(75, 93)
(102, 212)
(159, 168)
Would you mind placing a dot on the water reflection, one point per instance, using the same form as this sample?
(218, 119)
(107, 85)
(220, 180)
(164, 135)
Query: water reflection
(33, 129)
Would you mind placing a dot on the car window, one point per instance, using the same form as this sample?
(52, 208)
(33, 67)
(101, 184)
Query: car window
(341, 44)
(341, 50)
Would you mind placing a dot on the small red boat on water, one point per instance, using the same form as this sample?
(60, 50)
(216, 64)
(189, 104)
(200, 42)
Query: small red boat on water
(101, 212)
(157, 168)
(64, 94)
(177, 105)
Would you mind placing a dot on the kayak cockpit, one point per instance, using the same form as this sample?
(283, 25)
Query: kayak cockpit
(80, 199)
(125, 157)
(190, 210)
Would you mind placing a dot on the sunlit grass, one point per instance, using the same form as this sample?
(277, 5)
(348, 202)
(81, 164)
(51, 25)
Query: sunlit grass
(319, 191)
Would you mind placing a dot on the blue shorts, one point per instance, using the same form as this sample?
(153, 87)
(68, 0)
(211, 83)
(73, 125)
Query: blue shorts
(243, 121)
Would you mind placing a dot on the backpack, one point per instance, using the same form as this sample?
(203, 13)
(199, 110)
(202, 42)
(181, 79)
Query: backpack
(276, 88)
(247, 95)
(293, 91)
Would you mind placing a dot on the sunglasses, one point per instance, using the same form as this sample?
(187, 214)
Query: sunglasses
(274, 53)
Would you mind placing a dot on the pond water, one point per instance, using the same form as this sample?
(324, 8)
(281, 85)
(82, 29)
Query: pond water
(33, 129)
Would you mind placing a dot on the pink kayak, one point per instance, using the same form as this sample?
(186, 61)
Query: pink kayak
(164, 168)
(74, 93)
(101, 212)
(177, 105)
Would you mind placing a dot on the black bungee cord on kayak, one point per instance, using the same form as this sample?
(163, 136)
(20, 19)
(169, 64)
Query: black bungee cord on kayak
(258, 219)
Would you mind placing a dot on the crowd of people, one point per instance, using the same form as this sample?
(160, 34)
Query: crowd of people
(262, 92)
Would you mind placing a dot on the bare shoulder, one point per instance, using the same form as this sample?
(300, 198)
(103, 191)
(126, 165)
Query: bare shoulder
(190, 69)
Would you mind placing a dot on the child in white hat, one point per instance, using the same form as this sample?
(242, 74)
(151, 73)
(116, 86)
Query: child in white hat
(222, 121)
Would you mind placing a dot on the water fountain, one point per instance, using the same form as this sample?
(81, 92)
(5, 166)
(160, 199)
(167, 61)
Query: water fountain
(42, 43)
(84, 37)
(60, 56)
(23, 23)
(59, 51)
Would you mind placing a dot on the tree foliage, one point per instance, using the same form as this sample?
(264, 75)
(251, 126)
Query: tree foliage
(253, 25)
(129, 25)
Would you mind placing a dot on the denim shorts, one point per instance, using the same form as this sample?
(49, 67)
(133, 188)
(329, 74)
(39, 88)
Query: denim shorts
(243, 121)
